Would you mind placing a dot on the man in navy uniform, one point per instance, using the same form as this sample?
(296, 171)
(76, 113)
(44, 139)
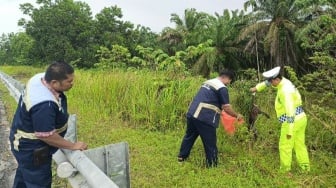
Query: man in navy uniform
(39, 125)
(203, 116)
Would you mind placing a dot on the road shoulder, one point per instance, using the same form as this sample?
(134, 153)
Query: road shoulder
(7, 162)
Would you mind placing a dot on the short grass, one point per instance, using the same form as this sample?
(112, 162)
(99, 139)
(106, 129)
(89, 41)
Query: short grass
(147, 110)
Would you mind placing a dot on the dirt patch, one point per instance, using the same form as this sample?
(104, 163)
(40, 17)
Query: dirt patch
(7, 162)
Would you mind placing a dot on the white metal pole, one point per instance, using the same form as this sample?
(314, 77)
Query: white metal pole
(92, 174)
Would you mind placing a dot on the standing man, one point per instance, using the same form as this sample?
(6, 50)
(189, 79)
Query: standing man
(39, 125)
(203, 117)
(288, 107)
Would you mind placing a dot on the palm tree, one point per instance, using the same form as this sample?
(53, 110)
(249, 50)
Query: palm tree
(274, 22)
(191, 26)
(173, 40)
(223, 49)
(189, 30)
(225, 31)
(211, 41)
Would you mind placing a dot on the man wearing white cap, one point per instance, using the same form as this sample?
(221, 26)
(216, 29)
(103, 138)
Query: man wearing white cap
(288, 107)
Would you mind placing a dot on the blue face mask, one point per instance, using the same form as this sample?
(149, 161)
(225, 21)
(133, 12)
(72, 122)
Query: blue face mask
(268, 83)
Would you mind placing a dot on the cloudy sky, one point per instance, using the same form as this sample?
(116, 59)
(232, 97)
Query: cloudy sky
(150, 13)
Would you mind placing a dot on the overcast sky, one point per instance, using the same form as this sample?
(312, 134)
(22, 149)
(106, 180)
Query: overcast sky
(150, 13)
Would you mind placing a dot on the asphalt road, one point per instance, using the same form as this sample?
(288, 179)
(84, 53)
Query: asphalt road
(7, 161)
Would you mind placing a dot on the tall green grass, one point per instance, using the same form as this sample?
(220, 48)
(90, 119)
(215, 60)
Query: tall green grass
(22, 73)
(142, 99)
(147, 109)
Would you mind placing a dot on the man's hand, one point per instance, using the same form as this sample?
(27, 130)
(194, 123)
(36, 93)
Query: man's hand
(228, 109)
(80, 146)
(253, 89)
(59, 142)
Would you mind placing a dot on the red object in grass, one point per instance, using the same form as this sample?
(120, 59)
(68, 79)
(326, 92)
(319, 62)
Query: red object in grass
(229, 123)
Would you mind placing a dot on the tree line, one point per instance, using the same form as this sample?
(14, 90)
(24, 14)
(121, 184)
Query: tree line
(295, 33)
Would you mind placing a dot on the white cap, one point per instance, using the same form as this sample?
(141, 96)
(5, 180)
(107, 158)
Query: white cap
(271, 73)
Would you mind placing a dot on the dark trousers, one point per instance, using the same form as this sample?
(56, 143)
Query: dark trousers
(207, 133)
(33, 178)
(30, 176)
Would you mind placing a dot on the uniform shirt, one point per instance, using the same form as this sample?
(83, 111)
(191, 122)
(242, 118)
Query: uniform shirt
(216, 96)
(42, 119)
(288, 99)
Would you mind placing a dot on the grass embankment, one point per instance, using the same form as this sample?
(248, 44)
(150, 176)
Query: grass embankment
(147, 110)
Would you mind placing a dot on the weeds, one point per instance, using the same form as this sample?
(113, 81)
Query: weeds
(147, 110)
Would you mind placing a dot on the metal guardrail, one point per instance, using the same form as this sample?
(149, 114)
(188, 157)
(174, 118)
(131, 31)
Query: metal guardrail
(94, 168)
(15, 87)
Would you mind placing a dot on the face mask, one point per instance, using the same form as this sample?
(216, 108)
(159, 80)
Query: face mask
(268, 83)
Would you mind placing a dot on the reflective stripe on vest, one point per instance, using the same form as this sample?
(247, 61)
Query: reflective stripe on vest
(36, 93)
(21, 134)
(214, 83)
(208, 106)
(283, 118)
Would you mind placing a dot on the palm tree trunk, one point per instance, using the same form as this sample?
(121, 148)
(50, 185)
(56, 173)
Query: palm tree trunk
(257, 55)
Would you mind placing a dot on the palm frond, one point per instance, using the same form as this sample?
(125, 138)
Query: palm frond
(252, 29)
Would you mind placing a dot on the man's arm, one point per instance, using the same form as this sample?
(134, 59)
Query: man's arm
(225, 101)
(43, 117)
(260, 87)
(57, 141)
(229, 110)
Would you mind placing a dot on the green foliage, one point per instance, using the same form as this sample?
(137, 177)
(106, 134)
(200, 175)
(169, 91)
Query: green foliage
(318, 34)
(21, 46)
(291, 74)
(319, 37)
(193, 26)
(65, 30)
(216, 47)
(173, 65)
(117, 57)
(243, 98)
(110, 29)
(158, 60)
(62, 30)
(321, 109)
(171, 40)
(148, 57)
(158, 93)
(225, 31)
(275, 23)
(200, 44)
(5, 49)
(148, 111)
(204, 55)
(154, 92)
(15, 49)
